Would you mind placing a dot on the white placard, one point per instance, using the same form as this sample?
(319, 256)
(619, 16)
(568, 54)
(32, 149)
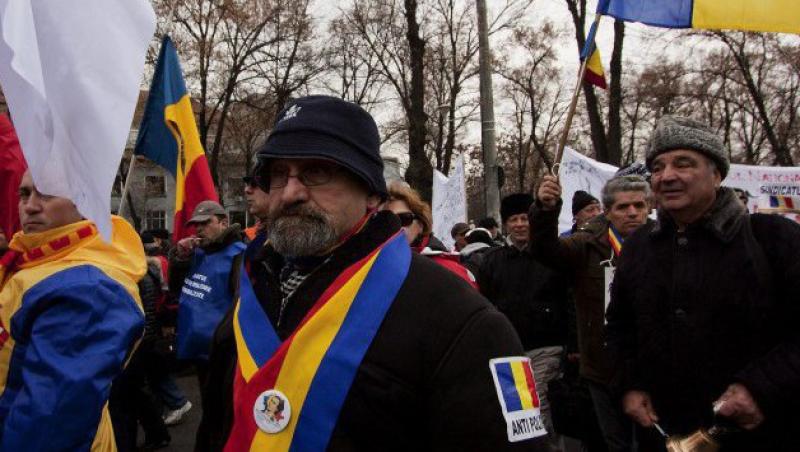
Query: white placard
(578, 172)
(449, 201)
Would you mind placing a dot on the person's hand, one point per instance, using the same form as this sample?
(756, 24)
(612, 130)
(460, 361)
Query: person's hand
(186, 246)
(549, 192)
(739, 406)
(637, 405)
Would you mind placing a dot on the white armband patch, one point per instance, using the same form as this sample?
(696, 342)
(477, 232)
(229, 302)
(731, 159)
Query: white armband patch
(516, 391)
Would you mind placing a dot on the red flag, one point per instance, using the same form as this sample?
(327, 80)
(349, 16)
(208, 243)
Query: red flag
(12, 167)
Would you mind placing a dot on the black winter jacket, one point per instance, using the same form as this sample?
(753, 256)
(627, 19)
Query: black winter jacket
(531, 295)
(425, 381)
(149, 291)
(695, 311)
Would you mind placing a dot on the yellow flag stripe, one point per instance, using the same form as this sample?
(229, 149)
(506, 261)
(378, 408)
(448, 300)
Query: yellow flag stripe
(305, 355)
(756, 15)
(246, 362)
(595, 64)
(180, 121)
(522, 385)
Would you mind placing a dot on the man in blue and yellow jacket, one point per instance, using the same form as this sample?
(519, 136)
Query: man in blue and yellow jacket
(70, 314)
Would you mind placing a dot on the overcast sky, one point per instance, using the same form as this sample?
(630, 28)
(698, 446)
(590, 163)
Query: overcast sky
(643, 45)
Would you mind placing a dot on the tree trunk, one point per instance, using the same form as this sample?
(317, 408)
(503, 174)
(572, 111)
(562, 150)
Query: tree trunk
(420, 171)
(614, 142)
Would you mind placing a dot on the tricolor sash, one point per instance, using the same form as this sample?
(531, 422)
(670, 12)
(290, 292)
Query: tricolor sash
(315, 367)
(615, 240)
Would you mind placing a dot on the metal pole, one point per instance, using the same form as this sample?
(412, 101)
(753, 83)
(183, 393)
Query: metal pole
(124, 200)
(488, 145)
(571, 113)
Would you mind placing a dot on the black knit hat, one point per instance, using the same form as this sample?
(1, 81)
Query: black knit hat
(329, 128)
(580, 200)
(676, 132)
(515, 204)
(147, 237)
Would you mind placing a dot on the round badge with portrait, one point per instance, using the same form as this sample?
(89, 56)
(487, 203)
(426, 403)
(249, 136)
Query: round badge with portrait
(272, 411)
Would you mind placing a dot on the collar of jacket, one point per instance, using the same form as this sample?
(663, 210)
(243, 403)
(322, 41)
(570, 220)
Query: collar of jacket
(472, 247)
(231, 235)
(723, 220)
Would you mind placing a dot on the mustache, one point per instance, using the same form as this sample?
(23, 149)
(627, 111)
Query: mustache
(298, 214)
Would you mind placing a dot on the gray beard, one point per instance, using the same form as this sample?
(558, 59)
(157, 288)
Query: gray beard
(301, 232)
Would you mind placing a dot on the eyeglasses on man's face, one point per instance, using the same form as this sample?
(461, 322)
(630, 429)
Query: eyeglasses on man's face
(311, 174)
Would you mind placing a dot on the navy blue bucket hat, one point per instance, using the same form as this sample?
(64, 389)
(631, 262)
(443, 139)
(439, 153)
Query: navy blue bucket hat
(332, 129)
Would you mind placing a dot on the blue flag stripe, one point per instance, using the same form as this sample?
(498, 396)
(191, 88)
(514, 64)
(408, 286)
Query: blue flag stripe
(506, 379)
(659, 13)
(155, 141)
(257, 331)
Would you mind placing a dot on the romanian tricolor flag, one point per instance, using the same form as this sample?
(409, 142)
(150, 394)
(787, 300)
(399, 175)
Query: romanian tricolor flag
(168, 136)
(615, 240)
(749, 15)
(516, 391)
(594, 75)
(781, 202)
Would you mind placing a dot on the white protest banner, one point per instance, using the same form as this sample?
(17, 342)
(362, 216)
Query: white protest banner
(578, 172)
(449, 201)
(761, 182)
(71, 73)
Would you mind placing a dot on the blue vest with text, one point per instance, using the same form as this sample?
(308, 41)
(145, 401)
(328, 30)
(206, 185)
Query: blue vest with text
(205, 297)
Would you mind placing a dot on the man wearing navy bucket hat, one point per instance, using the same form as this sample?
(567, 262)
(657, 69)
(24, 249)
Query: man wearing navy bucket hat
(363, 344)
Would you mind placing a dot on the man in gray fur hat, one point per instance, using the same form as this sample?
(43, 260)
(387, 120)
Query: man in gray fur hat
(700, 325)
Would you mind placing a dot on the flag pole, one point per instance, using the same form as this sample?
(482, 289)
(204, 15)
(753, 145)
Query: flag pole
(124, 200)
(562, 143)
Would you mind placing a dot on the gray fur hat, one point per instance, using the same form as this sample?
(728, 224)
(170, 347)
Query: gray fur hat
(677, 132)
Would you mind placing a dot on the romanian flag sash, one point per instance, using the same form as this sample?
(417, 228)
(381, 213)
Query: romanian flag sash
(288, 395)
(615, 240)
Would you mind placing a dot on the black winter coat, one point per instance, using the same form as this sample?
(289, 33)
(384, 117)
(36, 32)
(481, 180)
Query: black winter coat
(149, 292)
(531, 295)
(425, 381)
(695, 311)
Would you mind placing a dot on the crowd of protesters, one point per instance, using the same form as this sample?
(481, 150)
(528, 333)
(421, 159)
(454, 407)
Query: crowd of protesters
(340, 322)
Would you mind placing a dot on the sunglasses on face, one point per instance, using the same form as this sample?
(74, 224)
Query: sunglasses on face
(406, 218)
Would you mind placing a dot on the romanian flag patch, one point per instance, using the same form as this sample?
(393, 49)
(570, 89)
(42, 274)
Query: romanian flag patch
(516, 392)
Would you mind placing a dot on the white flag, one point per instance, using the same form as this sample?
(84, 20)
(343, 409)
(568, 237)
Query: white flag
(71, 73)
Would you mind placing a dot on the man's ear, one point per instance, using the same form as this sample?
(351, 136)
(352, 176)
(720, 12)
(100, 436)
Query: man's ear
(374, 201)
